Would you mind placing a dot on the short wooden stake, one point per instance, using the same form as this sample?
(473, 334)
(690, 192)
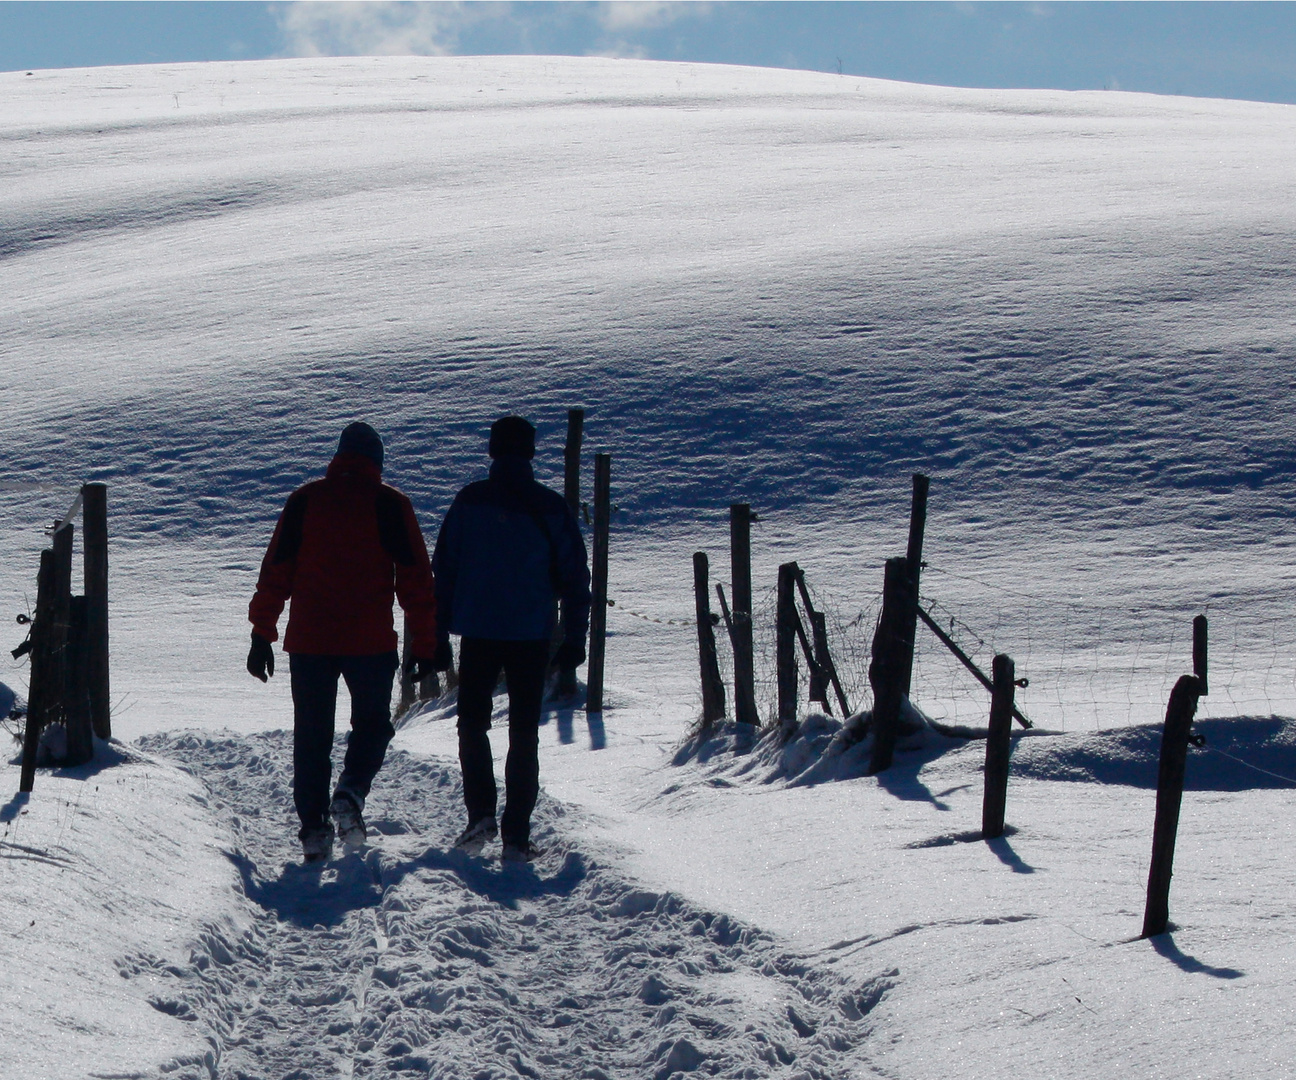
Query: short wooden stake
(1199, 653)
(785, 648)
(740, 522)
(886, 670)
(42, 687)
(1170, 783)
(824, 671)
(713, 692)
(94, 518)
(998, 747)
(598, 609)
(411, 693)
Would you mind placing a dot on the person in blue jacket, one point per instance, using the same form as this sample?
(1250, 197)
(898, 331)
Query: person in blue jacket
(507, 550)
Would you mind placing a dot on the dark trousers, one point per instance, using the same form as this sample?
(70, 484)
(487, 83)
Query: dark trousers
(314, 690)
(523, 664)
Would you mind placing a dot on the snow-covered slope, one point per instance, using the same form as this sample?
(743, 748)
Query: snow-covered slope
(1074, 311)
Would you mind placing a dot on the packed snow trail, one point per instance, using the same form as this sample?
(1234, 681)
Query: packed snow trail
(412, 958)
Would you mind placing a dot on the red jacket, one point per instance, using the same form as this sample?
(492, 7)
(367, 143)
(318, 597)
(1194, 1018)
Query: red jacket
(345, 546)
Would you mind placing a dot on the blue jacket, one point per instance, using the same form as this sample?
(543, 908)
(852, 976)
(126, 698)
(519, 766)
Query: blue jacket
(508, 548)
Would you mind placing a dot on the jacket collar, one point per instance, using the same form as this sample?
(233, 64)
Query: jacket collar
(511, 469)
(354, 467)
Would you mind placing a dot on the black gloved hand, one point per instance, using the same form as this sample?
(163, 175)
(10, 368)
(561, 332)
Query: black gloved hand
(419, 668)
(443, 657)
(260, 662)
(570, 655)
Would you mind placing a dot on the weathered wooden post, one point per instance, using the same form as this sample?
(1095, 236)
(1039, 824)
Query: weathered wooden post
(1199, 653)
(411, 693)
(824, 671)
(598, 608)
(785, 640)
(76, 688)
(1170, 783)
(713, 693)
(740, 522)
(998, 747)
(59, 638)
(571, 492)
(887, 668)
(41, 686)
(913, 556)
(94, 519)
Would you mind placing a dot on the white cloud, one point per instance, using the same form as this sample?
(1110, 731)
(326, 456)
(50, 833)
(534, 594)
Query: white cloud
(623, 15)
(376, 28)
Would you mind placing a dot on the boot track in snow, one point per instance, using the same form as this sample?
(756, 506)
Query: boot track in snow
(411, 959)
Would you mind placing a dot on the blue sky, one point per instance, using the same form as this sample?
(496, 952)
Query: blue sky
(1244, 50)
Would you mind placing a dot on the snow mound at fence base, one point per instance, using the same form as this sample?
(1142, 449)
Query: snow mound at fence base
(1240, 753)
(414, 958)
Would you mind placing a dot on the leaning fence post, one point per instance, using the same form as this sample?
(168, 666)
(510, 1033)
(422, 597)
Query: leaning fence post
(40, 687)
(998, 747)
(1199, 652)
(740, 521)
(886, 670)
(598, 608)
(1170, 783)
(913, 556)
(571, 492)
(785, 648)
(94, 536)
(713, 694)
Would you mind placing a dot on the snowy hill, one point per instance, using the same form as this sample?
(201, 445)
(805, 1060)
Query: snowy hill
(1073, 311)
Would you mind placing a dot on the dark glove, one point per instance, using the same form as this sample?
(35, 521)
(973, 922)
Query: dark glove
(419, 668)
(443, 656)
(260, 663)
(570, 655)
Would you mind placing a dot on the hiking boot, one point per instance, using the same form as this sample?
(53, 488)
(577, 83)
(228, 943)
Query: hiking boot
(346, 815)
(519, 853)
(317, 844)
(480, 833)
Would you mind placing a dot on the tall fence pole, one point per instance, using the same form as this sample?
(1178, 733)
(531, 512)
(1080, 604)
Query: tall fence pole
(740, 521)
(598, 609)
(913, 557)
(1199, 653)
(785, 648)
(42, 687)
(76, 688)
(94, 517)
(1170, 783)
(886, 670)
(571, 492)
(713, 693)
(998, 747)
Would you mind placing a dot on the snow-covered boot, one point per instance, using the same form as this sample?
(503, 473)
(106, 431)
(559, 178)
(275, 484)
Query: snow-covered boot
(317, 844)
(345, 811)
(477, 835)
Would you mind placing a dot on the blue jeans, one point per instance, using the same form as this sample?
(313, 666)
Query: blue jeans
(314, 690)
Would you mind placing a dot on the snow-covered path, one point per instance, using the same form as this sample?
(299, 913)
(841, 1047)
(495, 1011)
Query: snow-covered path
(417, 959)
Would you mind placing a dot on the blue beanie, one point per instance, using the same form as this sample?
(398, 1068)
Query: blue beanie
(360, 438)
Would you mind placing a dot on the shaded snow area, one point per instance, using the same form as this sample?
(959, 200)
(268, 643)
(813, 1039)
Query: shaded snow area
(1073, 311)
(415, 959)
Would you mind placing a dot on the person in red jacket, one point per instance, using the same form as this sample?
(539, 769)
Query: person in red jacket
(345, 546)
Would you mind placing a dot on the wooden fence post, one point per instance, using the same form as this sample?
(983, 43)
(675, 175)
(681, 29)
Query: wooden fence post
(571, 492)
(998, 747)
(598, 608)
(823, 671)
(713, 693)
(740, 521)
(785, 648)
(94, 519)
(411, 693)
(913, 557)
(1199, 653)
(76, 688)
(886, 670)
(1170, 782)
(41, 686)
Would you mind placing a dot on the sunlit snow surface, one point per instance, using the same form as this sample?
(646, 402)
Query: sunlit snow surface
(1073, 311)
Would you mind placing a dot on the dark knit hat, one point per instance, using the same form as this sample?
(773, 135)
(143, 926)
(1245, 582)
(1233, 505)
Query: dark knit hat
(360, 438)
(511, 436)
